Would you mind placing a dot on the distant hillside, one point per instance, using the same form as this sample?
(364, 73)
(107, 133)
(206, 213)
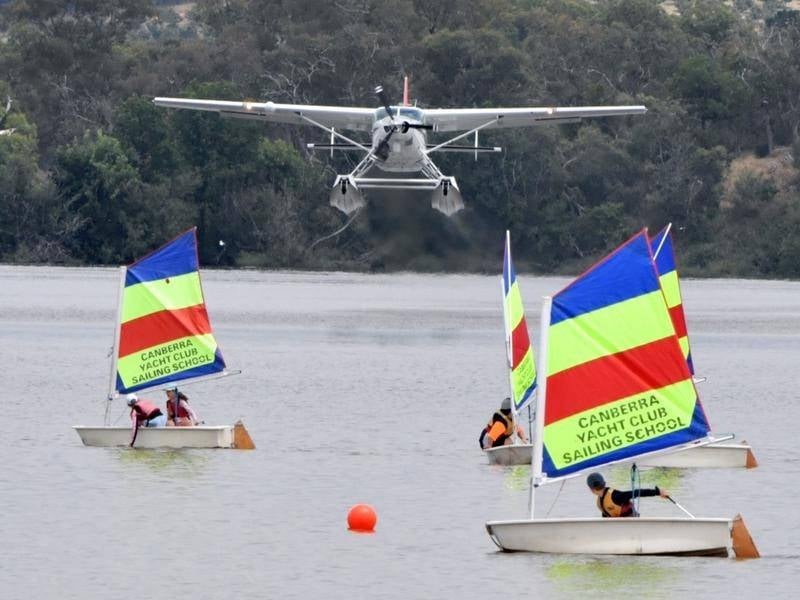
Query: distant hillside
(778, 167)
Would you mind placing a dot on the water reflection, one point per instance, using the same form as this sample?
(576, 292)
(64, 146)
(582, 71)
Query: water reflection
(518, 477)
(649, 578)
(175, 462)
(619, 476)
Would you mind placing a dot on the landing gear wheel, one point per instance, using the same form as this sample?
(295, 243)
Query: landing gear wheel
(445, 187)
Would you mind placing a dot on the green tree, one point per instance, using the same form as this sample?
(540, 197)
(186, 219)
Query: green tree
(33, 225)
(120, 217)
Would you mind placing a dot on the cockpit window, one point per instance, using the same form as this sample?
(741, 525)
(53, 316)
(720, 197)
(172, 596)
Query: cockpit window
(411, 112)
(408, 112)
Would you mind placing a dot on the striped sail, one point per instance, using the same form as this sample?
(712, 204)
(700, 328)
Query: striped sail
(617, 383)
(164, 333)
(522, 367)
(668, 274)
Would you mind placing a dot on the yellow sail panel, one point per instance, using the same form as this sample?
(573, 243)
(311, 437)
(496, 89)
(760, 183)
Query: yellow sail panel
(597, 334)
(166, 360)
(620, 424)
(171, 293)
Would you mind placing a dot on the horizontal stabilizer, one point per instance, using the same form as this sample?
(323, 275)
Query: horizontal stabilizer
(454, 148)
(558, 120)
(332, 147)
(238, 115)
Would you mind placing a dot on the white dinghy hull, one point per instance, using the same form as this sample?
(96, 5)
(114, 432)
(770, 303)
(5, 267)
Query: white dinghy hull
(515, 454)
(202, 436)
(710, 456)
(631, 536)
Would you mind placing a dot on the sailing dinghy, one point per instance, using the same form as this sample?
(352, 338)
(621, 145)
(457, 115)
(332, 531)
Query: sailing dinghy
(613, 386)
(520, 362)
(162, 338)
(718, 455)
(701, 455)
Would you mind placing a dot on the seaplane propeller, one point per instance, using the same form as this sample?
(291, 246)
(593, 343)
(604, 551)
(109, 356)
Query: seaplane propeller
(382, 150)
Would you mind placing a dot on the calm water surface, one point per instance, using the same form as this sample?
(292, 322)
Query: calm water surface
(358, 388)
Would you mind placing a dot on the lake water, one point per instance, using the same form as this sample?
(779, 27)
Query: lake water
(358, 388)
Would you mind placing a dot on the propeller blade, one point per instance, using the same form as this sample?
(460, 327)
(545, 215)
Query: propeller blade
(382, 150)
(384, 101)
(406, 126)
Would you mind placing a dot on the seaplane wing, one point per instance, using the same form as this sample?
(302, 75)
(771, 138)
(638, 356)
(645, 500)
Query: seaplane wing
(339, 117)
(463, 119)
(398, 153)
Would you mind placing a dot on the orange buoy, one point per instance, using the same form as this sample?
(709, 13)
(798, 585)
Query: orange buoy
(362, 518)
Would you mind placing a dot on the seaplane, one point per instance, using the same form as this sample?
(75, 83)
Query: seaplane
(399, 154)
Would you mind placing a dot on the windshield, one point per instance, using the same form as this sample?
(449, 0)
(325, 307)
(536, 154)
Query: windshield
(408, 112)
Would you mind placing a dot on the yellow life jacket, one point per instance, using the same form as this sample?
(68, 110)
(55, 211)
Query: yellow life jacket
(609, 508)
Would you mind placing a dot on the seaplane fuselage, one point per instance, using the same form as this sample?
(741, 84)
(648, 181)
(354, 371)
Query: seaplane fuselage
(406, 145)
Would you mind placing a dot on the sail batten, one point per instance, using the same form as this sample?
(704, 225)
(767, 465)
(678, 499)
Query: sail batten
(618, 385)
(165, 335)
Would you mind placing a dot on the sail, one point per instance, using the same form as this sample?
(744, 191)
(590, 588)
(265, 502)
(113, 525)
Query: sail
(668, 274)
(617, 383)
(522, 367)
(164, 334)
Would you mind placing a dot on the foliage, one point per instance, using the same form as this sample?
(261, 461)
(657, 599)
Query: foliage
(93, 172)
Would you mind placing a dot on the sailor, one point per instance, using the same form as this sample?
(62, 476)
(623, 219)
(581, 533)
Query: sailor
(615, 503)
(179, 413)
(144, 414)
(500, 429)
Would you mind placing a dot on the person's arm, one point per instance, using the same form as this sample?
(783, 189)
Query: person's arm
(134, 426)
(621, 498)
(190, 412)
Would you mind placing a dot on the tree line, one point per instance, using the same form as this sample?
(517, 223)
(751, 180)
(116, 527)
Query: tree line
(91, 172)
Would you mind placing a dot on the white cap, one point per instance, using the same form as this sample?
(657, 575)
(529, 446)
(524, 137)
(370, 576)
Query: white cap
(132, 399)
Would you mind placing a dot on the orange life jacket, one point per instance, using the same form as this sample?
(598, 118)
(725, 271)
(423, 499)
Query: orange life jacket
(146, 410)
(609, 508)
(508, 421)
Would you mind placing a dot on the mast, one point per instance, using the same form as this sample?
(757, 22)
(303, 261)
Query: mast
(541, 393)
(505, 283)
(112, 380)
(663, 239)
